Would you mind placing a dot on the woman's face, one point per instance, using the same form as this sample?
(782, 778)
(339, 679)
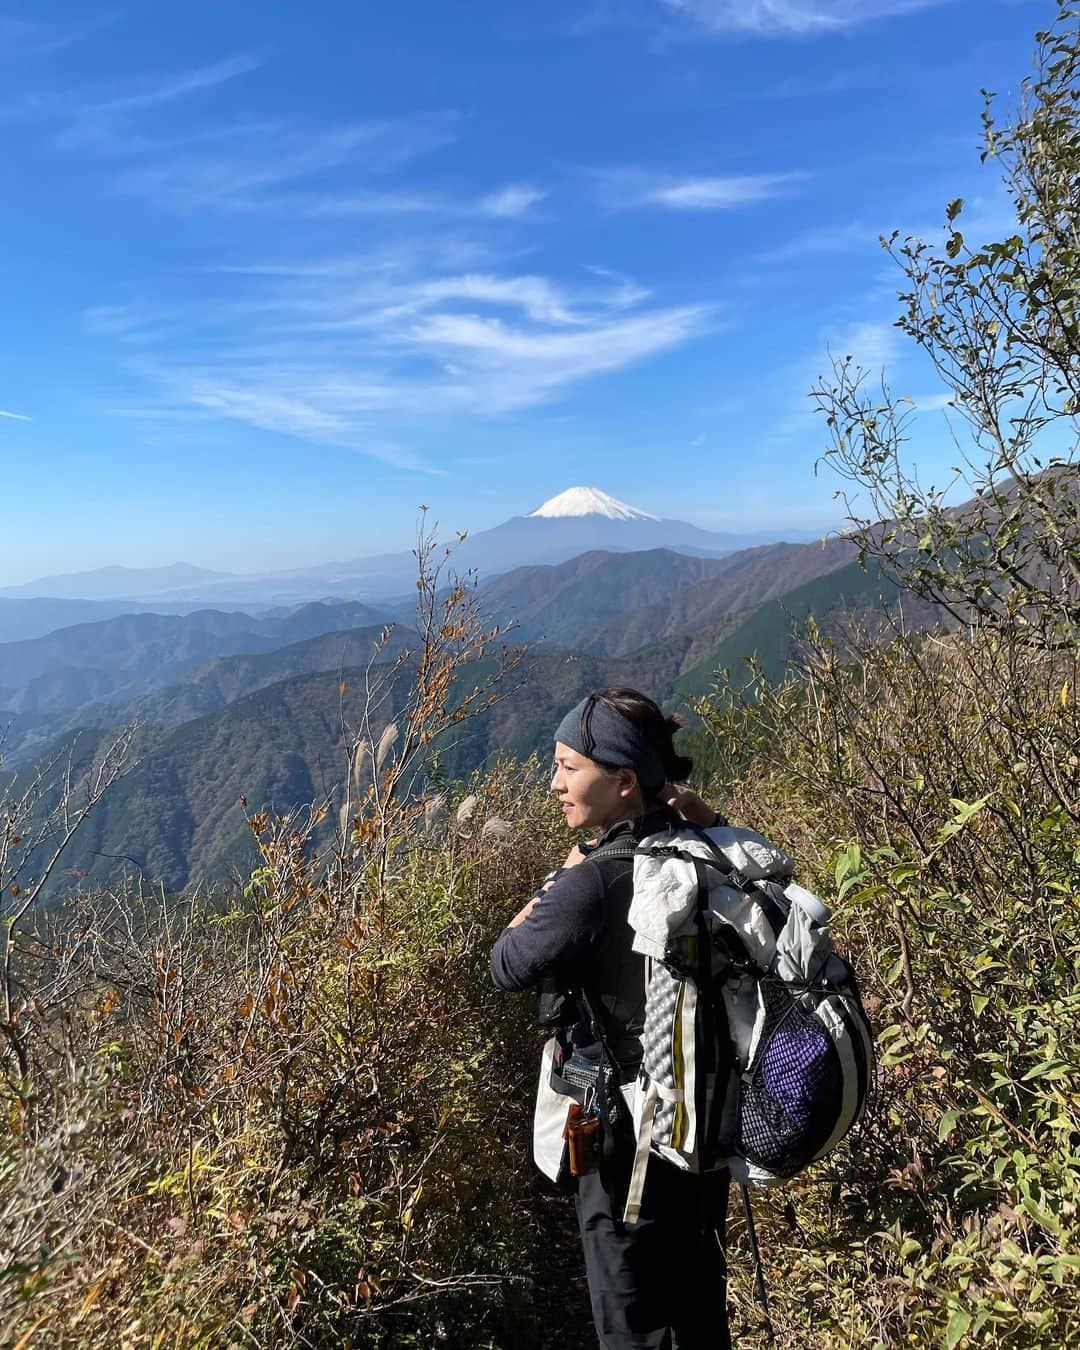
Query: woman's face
(592, 797)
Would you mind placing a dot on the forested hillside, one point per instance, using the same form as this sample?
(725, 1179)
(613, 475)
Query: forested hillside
(664, 610)
(295, 1111)
(133, 653)
(207, 742)
(613, 603)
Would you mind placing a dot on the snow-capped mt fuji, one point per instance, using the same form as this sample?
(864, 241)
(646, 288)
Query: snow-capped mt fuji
(575, 521)
(588, 501)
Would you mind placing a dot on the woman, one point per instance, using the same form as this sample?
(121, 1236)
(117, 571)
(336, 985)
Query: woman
(658, 1283)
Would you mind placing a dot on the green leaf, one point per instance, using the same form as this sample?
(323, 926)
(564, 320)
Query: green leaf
(957, 1328)
(849, 863)
(965, 810)
(1041, 1070)
(947, 1124)
(954, 208)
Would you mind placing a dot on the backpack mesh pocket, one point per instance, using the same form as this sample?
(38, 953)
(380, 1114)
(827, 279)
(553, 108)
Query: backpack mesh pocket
(793, 1092)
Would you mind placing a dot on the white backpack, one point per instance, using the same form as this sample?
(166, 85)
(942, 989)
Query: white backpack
(757, 1053)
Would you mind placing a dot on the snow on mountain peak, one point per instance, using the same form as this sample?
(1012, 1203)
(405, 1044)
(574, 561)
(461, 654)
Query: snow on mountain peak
(590, 501)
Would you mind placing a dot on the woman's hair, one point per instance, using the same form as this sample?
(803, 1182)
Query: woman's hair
(649, 719)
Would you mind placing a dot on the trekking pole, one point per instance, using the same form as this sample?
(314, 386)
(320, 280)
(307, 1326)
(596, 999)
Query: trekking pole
(759, 1274)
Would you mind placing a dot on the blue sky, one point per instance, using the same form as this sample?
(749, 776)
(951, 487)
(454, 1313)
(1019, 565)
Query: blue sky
(273, 275)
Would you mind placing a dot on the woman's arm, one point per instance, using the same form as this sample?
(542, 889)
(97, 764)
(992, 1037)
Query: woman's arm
(572, 859)
(555, 928)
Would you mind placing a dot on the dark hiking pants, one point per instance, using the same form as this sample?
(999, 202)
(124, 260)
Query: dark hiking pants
(658, 1284)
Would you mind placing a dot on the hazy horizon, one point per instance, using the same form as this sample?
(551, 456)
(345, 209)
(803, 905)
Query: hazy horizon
(446, 533)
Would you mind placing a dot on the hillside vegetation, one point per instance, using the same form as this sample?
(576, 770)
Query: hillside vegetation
(296, 1112)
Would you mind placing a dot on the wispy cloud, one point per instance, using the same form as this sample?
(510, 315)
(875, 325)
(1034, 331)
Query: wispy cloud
(665, 22)
(100, 114)
(445, 253)
(621, 189)
(204, 161)
(350, 355)
(853, 236)
(511, 202)
(15, 417)
(264, 158)
(927, 403)
(870, 343)
(508, 203)
(722, 194)
(791, 18)
(31, 36)
(169, 88)
(538, 298)
(506, 367)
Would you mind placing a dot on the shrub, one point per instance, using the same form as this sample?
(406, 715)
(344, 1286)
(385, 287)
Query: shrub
(301, 1119)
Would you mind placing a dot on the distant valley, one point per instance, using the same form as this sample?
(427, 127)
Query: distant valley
(235, 704)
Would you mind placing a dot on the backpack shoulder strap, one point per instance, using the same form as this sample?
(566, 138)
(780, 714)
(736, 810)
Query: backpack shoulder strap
(621, 847)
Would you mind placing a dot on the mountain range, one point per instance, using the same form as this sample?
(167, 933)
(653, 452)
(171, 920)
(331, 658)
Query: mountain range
(231, 703)
(570, 523)
(178, 816)
(108, 583)
(132, 653)
(615, 603)
(34, 617)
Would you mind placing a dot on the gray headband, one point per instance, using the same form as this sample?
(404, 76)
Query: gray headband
(612, 740)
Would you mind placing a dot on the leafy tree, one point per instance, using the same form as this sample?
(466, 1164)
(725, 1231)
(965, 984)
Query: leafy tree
(1001, 324)
(931, 785)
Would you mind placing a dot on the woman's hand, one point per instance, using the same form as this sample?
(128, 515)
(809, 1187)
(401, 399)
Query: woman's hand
(525, 911)
(574, 857)
(688, 804)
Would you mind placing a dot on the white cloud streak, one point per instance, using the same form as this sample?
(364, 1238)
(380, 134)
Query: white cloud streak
(99, 114)
(269, 157)
(14, 416)
(32, 37)
(202, 162)
(350, 355)
(511, 202)
(510, 368)
(871, 344)
(722, 194)
(929, 403)
(625, 189)
(791, 18)
(172, 87)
